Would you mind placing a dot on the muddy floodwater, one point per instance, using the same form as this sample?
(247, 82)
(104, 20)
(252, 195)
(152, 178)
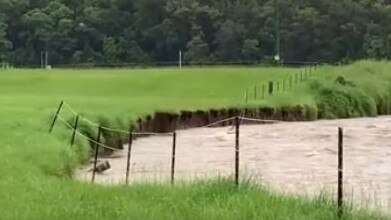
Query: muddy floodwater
(293, 157)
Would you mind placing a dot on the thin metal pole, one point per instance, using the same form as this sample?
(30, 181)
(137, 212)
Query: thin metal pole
(41, 59)
(46, 59)
(96, 154)
(237, 125)
(55, 116)
(277, 31)
(130, 142)
(173, 157)
(340, 171)
(74, 130)
(180, 59)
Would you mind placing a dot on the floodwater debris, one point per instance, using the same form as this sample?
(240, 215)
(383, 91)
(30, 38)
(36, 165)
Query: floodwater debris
(102, 166)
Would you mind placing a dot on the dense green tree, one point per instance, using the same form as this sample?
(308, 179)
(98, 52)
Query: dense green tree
(110, 50)
(140, 31)
(5, 44)
(251, 50)
(197, 50)
(229, 41)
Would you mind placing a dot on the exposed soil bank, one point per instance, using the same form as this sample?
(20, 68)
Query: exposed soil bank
(298, 157)
(162, 122)
(167, 122)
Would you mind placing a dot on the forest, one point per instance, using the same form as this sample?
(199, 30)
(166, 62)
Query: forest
(153, 31)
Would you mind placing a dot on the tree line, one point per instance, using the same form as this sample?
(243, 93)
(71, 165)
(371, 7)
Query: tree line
(147, 31)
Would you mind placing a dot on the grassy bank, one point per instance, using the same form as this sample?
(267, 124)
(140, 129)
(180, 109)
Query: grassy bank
(35, 166)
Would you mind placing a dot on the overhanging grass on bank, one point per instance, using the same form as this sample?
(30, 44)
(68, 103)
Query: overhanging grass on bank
(35, 166)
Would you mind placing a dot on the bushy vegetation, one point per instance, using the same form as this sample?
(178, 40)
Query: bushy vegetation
(35, 167)
(356, 94)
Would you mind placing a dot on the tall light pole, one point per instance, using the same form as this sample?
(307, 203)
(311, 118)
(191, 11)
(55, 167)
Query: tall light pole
(277, 31)
(180, 49)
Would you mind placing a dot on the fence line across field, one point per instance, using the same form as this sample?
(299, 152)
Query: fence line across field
(135, 133)
(237, 123)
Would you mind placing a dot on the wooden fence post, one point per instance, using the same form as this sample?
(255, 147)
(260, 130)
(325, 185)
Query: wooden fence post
(55, 116)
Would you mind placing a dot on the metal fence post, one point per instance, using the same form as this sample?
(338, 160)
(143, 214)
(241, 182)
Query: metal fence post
(270, 88)
(237, 126)
(173, 157)
(74, 130)
(96, 154)
(340, 171)
(130, 142)
(55, 116)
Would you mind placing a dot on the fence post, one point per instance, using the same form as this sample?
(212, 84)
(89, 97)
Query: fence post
(74, 130)
(130, 142)
(237, 126)
(96, 154)
(270, 88)
(340, 171)
(255, 92)
(173, 157)
(55, 116)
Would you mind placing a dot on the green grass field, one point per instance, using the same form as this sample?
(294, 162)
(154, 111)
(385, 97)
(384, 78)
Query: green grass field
(34, 166)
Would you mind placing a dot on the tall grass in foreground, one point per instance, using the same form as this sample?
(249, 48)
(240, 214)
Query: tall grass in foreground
(35, 166)
(216, 199)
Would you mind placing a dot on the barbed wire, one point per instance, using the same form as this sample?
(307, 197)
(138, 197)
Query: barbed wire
(83, 135)
(108, 128)
(260, 120)
(75, 113)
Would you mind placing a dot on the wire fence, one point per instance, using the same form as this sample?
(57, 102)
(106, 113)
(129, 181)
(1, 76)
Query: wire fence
(262, 91)
(344, 178)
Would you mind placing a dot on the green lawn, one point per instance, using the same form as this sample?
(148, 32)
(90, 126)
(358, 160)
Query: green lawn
(34, 165)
